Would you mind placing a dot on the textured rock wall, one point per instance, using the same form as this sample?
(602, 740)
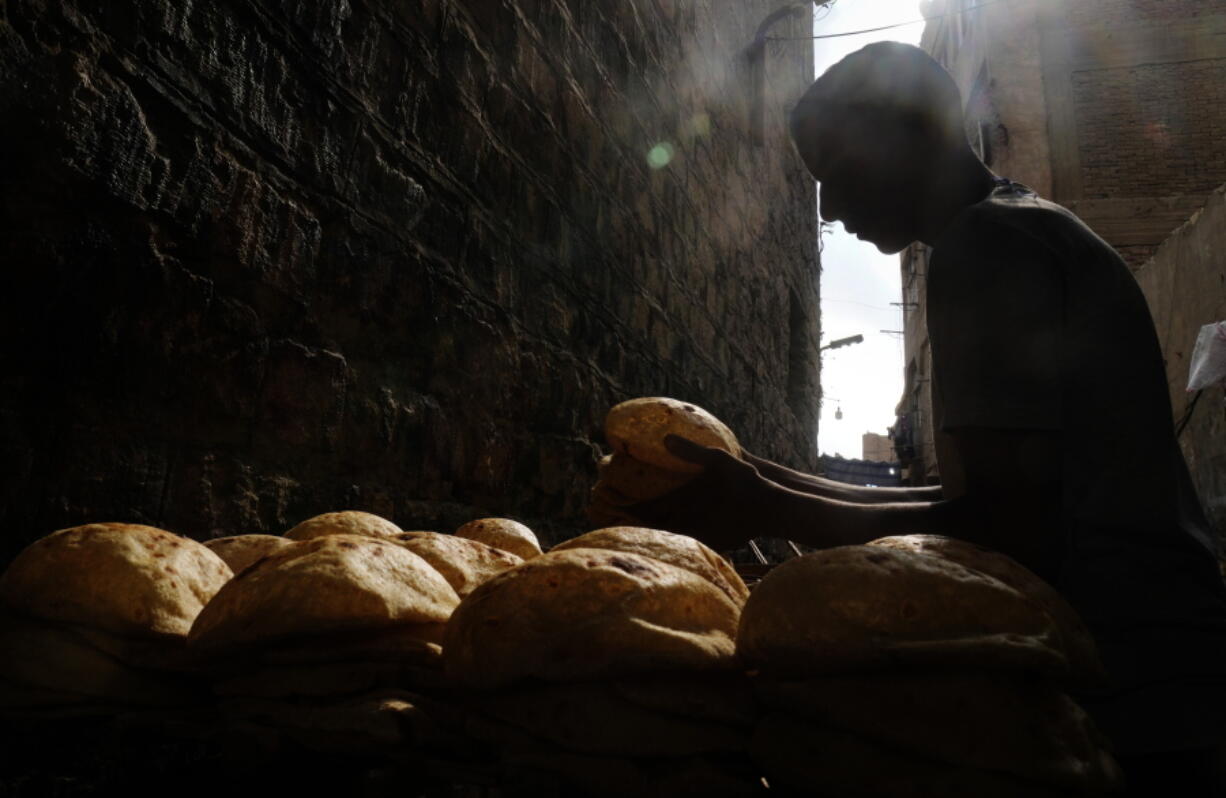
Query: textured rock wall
(267, 259)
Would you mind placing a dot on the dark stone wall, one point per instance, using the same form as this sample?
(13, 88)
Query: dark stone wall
(267, 259)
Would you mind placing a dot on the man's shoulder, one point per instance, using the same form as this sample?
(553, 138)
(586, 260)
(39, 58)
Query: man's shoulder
(1017, 207)
(1013, 219)
(1024, 210)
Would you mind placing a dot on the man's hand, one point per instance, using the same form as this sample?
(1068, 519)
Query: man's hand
(724, 506)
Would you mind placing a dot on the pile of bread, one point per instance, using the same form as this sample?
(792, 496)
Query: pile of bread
(95, 619)
(920, 665)
(623, 661)
(609, 666)
(318, 637)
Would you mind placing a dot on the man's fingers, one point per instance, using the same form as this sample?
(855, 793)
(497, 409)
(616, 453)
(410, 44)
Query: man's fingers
(711, 459)
(754, 460)
(687, 450)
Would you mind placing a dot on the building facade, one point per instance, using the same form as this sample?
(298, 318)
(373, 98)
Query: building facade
(877, 448)
(1115, 109)
(1185, 286)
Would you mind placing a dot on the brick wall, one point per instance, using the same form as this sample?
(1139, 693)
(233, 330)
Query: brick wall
(1124, 12)
(1138, 120)
(1152, 129)
(1136, 256)
(265, 260)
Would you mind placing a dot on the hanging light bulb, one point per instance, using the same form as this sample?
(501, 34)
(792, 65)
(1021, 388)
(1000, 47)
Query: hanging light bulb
(838, 413)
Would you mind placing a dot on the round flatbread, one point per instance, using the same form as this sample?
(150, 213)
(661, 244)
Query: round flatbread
(240, 551)
(1075, 639)
(680, 550)
(328, 584)
(867, 607)
(464, 563)
(636, 481)
(503, 533)
(54, 657)
(637, 428)
(128, 579)
(344, 522)
(586, 613)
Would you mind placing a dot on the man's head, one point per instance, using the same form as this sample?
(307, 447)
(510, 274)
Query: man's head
(880, 130)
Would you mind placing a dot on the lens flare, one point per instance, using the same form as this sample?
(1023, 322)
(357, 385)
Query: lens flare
(660, 155)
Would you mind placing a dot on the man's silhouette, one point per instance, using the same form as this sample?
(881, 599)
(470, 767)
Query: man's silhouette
(1055, 441)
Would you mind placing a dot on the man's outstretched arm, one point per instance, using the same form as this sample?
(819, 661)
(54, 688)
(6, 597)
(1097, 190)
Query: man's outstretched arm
(1009, 503)
(840, 491)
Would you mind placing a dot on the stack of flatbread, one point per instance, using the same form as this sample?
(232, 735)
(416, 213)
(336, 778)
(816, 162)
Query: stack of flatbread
(1072, 636)
(94, 620)
(641, 467)
(327, 643)
(893, 670)
(610, 670)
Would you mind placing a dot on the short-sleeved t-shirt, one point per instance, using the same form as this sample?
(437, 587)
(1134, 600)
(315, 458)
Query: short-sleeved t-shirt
(1036, 323)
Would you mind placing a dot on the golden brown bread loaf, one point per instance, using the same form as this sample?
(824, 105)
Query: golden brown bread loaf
(868, 607)
(463, 562)
(628, 481)
(64, 666)
(637, 428)
(1075, 639)
(344, 522)
(502, 533)
(327, 584)
(128, 579)
(680, 550)
(586, 613)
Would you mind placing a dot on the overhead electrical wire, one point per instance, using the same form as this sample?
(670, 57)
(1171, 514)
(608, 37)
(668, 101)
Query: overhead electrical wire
(883, 27)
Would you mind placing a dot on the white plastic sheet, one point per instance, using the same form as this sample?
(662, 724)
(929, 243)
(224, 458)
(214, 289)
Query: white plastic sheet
(1208, 357)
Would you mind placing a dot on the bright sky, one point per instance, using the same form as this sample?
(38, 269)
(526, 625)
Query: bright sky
(858, 283)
